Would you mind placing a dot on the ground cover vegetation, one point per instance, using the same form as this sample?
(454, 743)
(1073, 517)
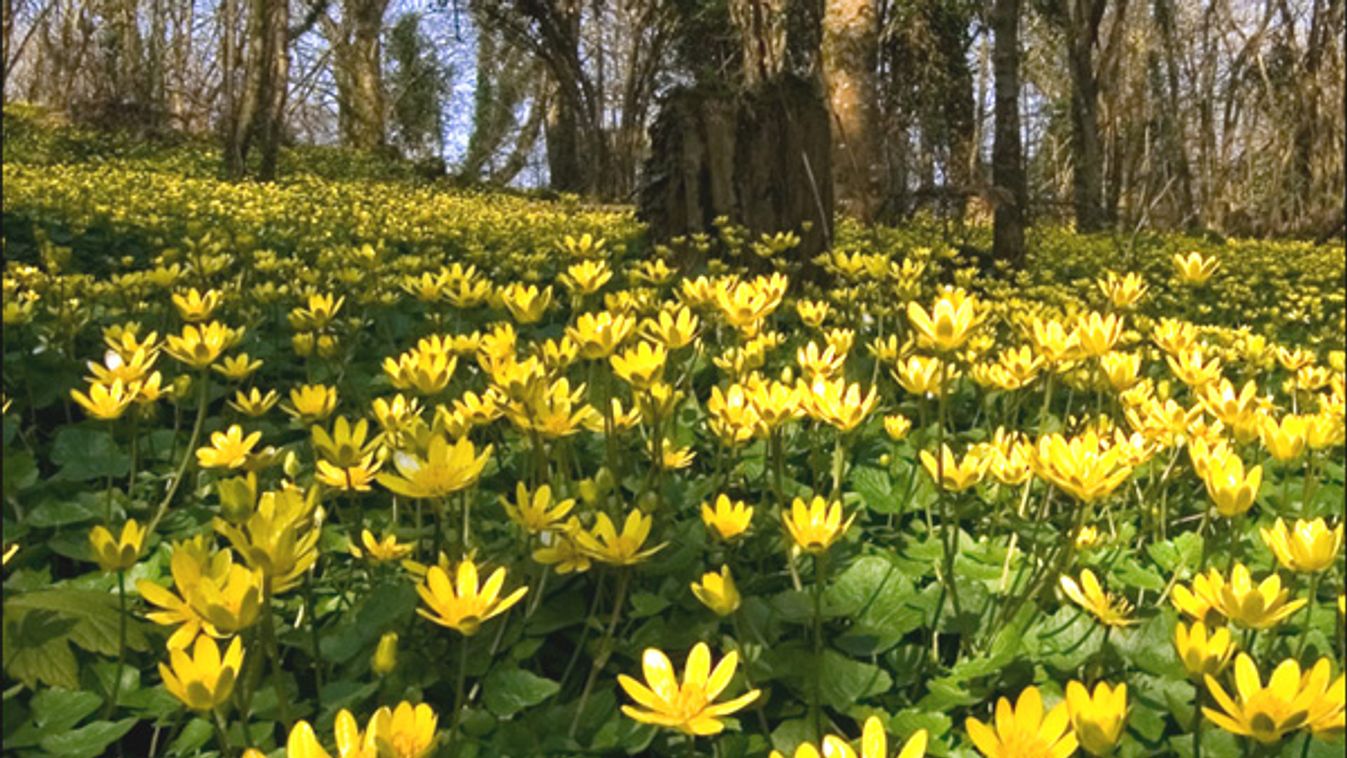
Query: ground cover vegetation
(349, 464)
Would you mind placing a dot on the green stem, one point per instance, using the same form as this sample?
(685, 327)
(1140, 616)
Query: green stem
(605, 648)
(222, 732)
(1309, 612)
(204, 381)
(460, 684)
(121, 645)
(816, 695)
(274, 653)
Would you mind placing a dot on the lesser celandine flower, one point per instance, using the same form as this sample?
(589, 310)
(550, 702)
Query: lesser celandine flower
(227, 449)
(815, 526)
(837, 403)
(1098, 718)
(1122, 291)
(718, 592)
(1193, 268)
(406, 731)
(559, 549)
(1308, 547)
(1200, 601)
(535, 511)
(194, 305)
(1203, 652)
(955, 475)
(1120, 369)
(117, 553)
(1111, 610)
(1290, 700)
(949, 322)
(642, 365)
(463, 605)
(236, 368)
(311, 402)
(199, 346)
(675, 328)
(253, 403)
(1097, 333)
(874, 744)
(1023, 731)
(385, 657)
(1083, 466)
(1256, 606)
(689, 706)
(896, 425)
(444, 470)
(381, 550)
(1053, 343)
(604, 543)
(106, 401)
(203, 680)
(1231, 489)
(1284, 440)
(728, 518)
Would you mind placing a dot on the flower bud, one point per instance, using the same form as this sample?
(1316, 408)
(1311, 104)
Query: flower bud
(302, 342)
(385, 657)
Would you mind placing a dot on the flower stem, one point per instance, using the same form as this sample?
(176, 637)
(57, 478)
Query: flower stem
(460, 684)
(1309, 612)
(121, 645)
(203, 394)
(816, 695)
(222, 732)
(605, 648)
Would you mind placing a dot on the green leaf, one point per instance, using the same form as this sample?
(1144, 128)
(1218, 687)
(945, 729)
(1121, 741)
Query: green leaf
(197, 733)
(507, 691)
(96, 615)
(845, 681)
(55, 512)
(645, 604)
(36, 649)
(89, 740)
(20, 471)
(1134, 574)
(382, 609)
(875, 489)
(84, 454)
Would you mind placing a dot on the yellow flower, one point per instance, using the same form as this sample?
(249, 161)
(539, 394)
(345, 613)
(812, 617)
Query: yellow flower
(1052, 342)
(128, 368)
(674, 327)
(956, 476)
(227, 449)
(119, 553)
(200, 346)
(586, 277)
(106, 401)
(897, 426)
(728, 519)
(1307, 548)
(535, 512)
(277, 537)
(444, 470)
(203, 681)
(1098, 719)
(1200, 602)
(603, 543)
(1203, 653)
(732, 416)
(253, 403)
(1174, 336)
(1254, 606)
(425, 369)
(559, 548)
(195, 306)
(525, 302)
(642, 365)
(1098, 333)
(598, 334)
(717, 592)
(688, 706)
(406, 731)
(464, 604)
(1289, 702)
(1111, 610)
(1193, 268)
(1082, 466)
(1193, 368)
(1120, 369)
(1024, 731)
(837, 403)
(381, 550)
(815, 526)
(1122, 291)
(311, 402)
(236, 368)
(322, 308)
(1229, 487)
(385, 657)
(815, 363)
(1285, 441)
(812, 312)
(948, 324)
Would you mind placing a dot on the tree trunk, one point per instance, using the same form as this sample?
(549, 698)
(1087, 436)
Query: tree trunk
(1082, 18)
(850, 47)
(1010, 191)
(261, 113)
(1172, 117)
(358, 69)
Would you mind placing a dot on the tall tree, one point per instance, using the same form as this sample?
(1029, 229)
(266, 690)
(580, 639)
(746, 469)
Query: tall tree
(357, 67)
(1011, 194)
(417, 87)
(850, 51)
(1079, 21)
